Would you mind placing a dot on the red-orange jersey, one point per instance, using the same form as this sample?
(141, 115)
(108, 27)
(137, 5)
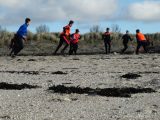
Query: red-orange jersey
(140, 37)
(107, 36)
(64, 37)
(68, 30)
(75, 38)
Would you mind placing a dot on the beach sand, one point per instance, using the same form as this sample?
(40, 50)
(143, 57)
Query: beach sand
(19, 101)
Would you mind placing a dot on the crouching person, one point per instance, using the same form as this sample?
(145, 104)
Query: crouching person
(74, 42)
(17, 42)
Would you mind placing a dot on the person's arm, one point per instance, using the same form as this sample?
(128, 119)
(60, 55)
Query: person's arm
(122, 37)
(130, 38)
(137, 38)
(25, 38)
(64, 37)
(25, 33)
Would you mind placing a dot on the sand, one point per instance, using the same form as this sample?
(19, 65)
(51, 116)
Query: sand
(92, 71)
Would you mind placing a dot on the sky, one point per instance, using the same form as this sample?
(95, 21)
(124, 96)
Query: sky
(127, 14)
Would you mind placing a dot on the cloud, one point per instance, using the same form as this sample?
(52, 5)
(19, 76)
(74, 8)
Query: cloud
(145, 11)
(13, 11)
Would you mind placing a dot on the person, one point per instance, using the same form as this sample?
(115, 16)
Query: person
(107, 41)
(74, 42)
(64, 37)
(126, 38)
(17, 42)
(141, 41)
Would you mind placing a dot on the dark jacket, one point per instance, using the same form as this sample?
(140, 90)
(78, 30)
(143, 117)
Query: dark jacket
(107, 37)
(126, 38)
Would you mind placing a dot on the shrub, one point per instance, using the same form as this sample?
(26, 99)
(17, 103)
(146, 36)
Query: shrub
(42, 29)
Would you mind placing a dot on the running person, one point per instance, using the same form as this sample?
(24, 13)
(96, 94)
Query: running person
(141, 41)
(17, 42)
(74, 42)
(126, 38)
(64, 38)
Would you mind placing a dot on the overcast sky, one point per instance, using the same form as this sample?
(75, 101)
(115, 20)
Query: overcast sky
(128, 14)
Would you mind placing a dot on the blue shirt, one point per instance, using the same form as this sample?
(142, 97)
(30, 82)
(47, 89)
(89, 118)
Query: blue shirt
(22, 32)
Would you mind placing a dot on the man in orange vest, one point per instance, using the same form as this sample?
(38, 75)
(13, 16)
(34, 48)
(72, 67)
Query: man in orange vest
(74, 42)
(64, 38)
(107, 41)
(141, 41)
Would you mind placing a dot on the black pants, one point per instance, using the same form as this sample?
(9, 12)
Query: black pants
(107, 46)
(61, 42)
(17, 44)
(73, 49)
(125, 47)
(139, 44)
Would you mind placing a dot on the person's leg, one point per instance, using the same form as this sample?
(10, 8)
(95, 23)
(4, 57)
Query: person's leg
(145, 47)
(66, 44)
(13, 44)
(65, 47)
(109, 48)
(138, 47)
(71, 49)
(19, 46)
(125, 47)
(106, 48)
(59, 46)
(76, 48)
(12, 51)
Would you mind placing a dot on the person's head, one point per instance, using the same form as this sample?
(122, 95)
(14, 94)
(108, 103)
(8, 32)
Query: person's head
(127, 32)
(27, 21)
(137, 31)
(77, 30)
(71, 22)
(107, 29)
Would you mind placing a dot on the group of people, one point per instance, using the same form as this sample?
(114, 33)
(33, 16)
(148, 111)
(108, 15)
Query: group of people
(141, 41)
(67, 39)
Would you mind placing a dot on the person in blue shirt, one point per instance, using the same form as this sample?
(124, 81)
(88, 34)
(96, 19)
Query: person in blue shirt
(17, 41)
